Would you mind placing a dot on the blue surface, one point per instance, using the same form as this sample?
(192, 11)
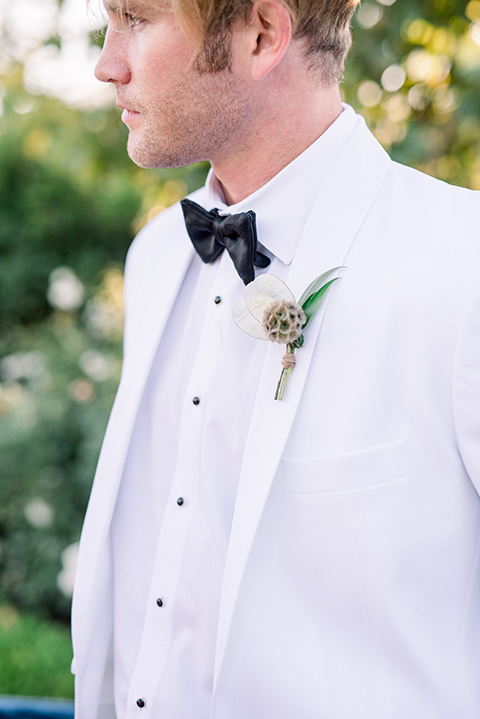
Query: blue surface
(30, 708)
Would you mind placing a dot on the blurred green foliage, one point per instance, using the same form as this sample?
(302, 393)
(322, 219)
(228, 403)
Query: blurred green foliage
(414, 73)
(70, 203)
(32, 652)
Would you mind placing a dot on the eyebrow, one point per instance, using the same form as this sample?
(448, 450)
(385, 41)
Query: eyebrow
(136, 7)
(126, 5)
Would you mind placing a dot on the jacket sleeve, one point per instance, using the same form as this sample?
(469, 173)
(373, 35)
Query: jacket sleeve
(466, 389)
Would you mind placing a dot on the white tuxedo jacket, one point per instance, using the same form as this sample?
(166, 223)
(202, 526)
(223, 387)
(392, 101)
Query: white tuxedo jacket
(352, 582)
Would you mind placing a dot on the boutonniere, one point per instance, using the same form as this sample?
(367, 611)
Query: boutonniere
(269, 311)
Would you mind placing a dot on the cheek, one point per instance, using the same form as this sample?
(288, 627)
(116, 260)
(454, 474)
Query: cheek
(163, 58)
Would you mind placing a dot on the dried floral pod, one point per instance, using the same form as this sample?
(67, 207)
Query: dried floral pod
(283, 321)
(268, 311)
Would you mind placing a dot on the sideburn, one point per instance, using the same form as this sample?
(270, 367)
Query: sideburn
(216, 54)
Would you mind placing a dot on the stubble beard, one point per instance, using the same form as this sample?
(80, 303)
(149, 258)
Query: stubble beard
(192, 127)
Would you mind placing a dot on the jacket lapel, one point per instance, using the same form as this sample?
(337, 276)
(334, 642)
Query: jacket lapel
(329, 233)
(160, 283)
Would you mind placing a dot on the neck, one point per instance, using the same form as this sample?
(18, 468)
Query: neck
(277, 140)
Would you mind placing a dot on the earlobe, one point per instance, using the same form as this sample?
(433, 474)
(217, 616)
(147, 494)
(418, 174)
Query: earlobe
(272, 24)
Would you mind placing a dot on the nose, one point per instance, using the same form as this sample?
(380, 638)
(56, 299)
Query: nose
(112, 65)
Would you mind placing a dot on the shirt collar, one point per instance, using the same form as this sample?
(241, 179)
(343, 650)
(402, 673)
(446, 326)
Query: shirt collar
(282, 205)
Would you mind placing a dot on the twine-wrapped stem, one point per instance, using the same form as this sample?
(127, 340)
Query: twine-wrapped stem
(288, 362)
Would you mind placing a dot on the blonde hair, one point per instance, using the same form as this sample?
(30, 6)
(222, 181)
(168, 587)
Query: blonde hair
(324, 26)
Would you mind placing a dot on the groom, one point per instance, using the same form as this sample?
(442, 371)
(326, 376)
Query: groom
(315, 557)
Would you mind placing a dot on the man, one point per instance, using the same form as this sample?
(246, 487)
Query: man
(314, 557)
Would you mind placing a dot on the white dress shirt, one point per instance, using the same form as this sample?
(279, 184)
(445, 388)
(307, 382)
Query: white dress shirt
(172, 523)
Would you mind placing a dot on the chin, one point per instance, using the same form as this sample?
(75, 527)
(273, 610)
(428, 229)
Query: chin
(149, 152)
(143, 162)
(151, 159)
(141, 156)
(149, 155)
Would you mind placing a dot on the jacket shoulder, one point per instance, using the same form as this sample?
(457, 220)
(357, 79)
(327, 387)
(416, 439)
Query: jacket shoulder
(158, 239)
(428, 191)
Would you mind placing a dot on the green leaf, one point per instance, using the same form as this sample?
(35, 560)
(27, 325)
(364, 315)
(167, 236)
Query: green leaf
(312, 303)
(317, 284)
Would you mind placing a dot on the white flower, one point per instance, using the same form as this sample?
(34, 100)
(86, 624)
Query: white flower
(23, 365)
(258, 298)
(269, 311)
(66, 577)
(65, 291)
(96, 365)
(39, 513)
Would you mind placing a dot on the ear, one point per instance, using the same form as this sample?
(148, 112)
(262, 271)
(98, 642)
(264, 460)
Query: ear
(270, 33)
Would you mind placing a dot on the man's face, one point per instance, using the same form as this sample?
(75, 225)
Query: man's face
(176, 115)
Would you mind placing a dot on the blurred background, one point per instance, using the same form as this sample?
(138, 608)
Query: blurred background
(70, 204)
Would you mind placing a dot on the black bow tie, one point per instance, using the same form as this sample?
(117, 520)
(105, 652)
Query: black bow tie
(211, 233)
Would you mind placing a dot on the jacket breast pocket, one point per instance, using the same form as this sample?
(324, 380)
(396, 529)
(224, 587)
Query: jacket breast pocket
(360, 469)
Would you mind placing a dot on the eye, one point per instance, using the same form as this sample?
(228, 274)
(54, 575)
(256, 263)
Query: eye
(122, 16)
(132, 21)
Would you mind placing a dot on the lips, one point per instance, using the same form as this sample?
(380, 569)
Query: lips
(127, 109)
(127, 113)
(124, 107)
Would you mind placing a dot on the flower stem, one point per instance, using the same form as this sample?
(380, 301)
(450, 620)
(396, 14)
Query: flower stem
(286, 372)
